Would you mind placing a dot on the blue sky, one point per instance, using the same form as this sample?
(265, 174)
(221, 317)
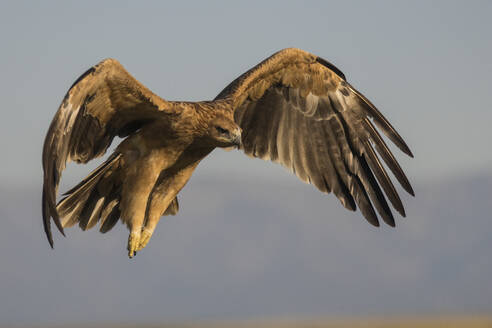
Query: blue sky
(426, 65)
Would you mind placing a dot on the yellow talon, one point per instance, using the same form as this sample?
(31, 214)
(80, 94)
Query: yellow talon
(144, 239)
(133, 241)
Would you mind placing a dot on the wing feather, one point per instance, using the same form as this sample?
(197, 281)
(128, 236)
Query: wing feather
(350, 140)
(383, 178)
(297, 109)
(299, 149)
(104, 102)
(382, 122)
(388, 157)
(311, 159)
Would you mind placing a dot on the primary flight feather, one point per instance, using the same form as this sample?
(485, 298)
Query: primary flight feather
(293, 108)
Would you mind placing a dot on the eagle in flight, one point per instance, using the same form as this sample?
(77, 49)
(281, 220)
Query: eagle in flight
(294, 108)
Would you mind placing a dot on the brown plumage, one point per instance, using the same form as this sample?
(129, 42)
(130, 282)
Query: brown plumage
(293, 108)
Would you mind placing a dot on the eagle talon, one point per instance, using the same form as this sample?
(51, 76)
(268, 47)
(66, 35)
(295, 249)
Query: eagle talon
(133, 241)
(144, 239)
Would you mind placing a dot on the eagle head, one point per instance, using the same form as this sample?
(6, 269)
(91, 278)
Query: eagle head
(224, 132)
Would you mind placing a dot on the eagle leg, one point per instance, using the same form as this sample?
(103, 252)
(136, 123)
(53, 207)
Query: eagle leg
(150, 225)
(164, 200)
(141, 176)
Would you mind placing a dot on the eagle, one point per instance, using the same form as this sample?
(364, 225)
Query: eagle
(294, 108)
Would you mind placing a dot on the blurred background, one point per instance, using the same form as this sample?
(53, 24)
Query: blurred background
(250, 240)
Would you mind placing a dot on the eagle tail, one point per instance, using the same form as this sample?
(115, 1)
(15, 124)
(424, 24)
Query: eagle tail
(96, 198)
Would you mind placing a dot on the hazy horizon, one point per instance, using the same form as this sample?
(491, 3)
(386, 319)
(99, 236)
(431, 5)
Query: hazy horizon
(244, 249)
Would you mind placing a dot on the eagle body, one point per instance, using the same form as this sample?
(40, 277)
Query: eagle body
(294, 108)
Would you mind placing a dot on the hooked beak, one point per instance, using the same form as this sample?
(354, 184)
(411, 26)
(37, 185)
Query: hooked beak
(236, 138)
(236, 141)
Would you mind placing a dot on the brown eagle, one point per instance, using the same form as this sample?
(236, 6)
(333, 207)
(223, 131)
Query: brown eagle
(294, 108)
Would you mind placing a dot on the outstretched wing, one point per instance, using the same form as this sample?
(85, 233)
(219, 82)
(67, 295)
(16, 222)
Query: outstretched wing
(104, 102)
(297, 109)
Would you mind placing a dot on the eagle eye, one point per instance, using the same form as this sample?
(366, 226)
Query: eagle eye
(222, 130)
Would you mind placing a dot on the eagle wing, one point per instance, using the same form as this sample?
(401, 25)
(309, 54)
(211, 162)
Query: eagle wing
(297, 109)
(104, 102)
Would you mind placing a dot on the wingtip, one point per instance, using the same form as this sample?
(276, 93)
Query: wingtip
(59, 225)
(389, 220)
(374, 223)
(408, 188)
(48, 213)
(49, 235)
(56, 219)
(405, 148)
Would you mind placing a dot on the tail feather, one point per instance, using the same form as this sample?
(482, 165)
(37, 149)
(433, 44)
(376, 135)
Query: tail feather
(89, 201)
(109, 216)
(92, 218)
(96, 199)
